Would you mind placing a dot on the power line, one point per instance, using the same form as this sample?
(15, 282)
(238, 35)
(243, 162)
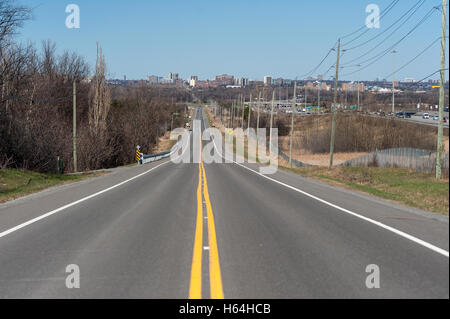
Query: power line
(388, 28)
(427, 15)
(384, 12)
(321, 62)
(428, 76)
(367, 29)
(413, 59)
(380, 55)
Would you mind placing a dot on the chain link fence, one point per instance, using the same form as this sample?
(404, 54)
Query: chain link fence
(422, 161)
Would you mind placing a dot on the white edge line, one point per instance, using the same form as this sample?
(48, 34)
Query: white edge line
(394, 230)
(34, 220)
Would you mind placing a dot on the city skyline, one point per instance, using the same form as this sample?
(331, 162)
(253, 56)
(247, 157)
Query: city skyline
(237, 38)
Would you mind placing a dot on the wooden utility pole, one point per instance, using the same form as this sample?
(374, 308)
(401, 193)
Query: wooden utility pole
(318, 97)
(359, 67)
(333, 120)
(271, 120)
(294, 100)
(257, 118)
(242, 117)
(393, 81)
(441, 94)
(75, 168)
(249, 111)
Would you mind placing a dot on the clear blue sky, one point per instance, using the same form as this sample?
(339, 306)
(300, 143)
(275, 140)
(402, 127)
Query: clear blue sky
(240, 37)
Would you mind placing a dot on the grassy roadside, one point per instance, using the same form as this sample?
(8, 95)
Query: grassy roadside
(18, 183)
(397, 185)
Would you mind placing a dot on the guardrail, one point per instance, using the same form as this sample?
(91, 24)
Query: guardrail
(156, 157)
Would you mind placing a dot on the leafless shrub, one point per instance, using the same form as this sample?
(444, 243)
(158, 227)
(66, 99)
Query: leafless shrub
(357, 133)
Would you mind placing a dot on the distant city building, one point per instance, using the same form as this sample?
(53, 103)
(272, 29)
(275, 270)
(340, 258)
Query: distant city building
(320, 77)
(353, 86)
(242, 82)
(172, 77)
(153, 79)
(409, 80)
(225, 79)
(267, 80)
(193, 80)
(279, 81)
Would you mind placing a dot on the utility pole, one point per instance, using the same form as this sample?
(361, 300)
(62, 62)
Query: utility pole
(257, 118)
(357, 87)
(333, 119)
(294, 100)
(306, 94)
(393, 80)
(271, 120)
(441, 94)
(243, 108)
(233, 112)
(318, 97)
(75, 168)
(346, 94)
(249, 111)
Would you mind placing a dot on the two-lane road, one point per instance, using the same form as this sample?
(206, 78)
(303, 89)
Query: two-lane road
(166, 230)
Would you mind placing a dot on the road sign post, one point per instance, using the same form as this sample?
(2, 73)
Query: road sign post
(138, 155)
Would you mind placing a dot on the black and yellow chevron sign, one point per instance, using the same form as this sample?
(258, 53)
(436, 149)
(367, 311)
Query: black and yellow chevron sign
(138, 155)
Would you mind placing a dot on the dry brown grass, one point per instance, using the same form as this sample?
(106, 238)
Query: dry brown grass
(164, 144)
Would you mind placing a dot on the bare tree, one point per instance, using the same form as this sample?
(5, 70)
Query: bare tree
(100, 97)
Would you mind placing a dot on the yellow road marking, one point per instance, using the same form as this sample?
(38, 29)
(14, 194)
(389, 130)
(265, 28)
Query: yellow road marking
(195, 290)
(215, 277)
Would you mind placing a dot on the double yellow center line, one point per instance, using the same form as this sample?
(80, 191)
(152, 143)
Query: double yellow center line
(215, 277)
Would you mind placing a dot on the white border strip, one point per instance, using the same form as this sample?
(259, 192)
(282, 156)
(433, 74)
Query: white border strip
(34, 220)
(384, 226)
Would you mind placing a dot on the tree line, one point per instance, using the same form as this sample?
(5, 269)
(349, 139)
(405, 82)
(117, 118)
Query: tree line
(36, 106)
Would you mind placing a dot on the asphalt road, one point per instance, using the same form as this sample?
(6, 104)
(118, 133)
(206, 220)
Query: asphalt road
(179, 230)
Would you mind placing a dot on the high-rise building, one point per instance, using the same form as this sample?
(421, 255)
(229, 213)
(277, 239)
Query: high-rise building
(193, 80)
(242, 82)
(267, 80)
(172, 77)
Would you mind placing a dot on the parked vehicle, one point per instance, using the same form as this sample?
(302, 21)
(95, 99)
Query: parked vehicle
(426, 116)
(435, 117)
